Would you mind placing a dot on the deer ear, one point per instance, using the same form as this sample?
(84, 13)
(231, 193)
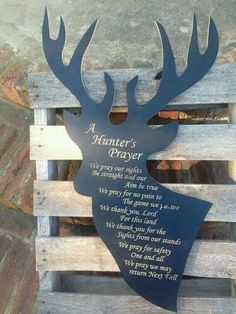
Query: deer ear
(71, 125)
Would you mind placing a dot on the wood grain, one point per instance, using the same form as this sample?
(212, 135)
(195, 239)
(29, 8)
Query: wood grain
(59, 198)
(47, 170)
(206, 259)
(60, 303)
(217, 87)
(232, 174)
(194, 142)
(232, 120)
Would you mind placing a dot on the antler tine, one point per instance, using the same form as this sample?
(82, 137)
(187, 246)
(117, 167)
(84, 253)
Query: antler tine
(71, 75)
(171, 85)
(51, 46)
(169, 71)
(203, 62)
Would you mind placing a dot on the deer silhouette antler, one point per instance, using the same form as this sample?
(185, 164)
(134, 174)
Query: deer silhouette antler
(172, 85)
(70, 75)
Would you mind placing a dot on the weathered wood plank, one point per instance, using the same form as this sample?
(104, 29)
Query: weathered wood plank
(232, 174)
(206, 259)
(194, 142)
(59, 198)
(47, 170)
(56, 303)
(217, 87)
(232, 120)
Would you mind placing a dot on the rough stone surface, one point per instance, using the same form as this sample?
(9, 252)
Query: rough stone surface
(16, 223)
(126, 35)
(16, 170)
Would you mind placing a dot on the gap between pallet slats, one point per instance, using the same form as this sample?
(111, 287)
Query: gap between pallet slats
(114, 285)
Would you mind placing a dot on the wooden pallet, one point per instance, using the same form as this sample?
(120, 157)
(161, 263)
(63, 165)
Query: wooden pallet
(214, 260)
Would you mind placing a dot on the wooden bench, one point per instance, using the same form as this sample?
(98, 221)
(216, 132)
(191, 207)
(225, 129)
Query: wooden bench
(61, 291)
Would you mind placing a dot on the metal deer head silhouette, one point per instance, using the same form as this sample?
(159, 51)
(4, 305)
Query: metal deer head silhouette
(148, 229)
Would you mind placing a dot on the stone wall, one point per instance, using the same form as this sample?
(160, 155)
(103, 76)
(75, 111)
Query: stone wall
(125, 37)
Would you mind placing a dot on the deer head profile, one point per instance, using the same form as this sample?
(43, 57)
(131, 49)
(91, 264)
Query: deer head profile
(114, 156)
(170, 87)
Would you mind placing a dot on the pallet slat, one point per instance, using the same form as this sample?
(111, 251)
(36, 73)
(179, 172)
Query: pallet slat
(59, 198)
(206, 259)
(217, 87)
(194, 142)
(47, 170)
(60, 303)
